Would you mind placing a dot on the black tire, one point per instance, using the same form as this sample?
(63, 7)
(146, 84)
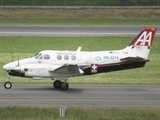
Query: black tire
(64, 86)
(7, 85)
(57, 84)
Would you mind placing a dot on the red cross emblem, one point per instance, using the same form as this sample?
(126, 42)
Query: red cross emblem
(94, 68)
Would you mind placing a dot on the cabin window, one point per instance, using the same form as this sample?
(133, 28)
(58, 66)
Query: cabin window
(73, 57)
(59, 57)
(66, 57)
(46, 57)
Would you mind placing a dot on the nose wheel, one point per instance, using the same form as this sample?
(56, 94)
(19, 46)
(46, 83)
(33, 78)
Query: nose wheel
(8, 85)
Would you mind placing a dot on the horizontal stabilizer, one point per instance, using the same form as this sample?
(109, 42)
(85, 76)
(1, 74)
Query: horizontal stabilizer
(138, 59)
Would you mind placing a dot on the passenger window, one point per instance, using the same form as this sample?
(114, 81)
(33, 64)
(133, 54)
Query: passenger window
(46, 57)
(66, 57)
(59, 57)
(73, 57)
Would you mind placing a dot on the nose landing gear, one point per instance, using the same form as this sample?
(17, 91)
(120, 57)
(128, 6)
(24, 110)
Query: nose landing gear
(8, 84)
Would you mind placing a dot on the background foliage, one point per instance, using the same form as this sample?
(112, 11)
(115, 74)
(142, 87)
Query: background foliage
(81, 2)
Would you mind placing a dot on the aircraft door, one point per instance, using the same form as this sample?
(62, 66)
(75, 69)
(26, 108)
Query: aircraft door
(78, 56)
(83, 58)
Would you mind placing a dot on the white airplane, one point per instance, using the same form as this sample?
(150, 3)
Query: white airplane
(60, 65)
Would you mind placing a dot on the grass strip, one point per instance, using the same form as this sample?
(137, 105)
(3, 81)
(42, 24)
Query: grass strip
(78, 2)
(103, 17)
(78, 113)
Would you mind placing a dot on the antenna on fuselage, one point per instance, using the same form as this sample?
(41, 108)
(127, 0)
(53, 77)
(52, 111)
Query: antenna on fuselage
(79, 49)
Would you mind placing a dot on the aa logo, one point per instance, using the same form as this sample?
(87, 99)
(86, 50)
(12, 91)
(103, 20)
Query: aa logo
(144, 39)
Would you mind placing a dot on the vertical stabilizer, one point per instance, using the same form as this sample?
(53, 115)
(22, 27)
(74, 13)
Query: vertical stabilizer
(141, 45)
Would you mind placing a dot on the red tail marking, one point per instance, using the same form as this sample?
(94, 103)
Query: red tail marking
(145, 38)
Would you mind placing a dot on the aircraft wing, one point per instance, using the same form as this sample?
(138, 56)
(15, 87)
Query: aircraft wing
(67, 69)
(138, 59)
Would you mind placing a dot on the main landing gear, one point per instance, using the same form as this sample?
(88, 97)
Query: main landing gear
(60, 85)
(8, 84)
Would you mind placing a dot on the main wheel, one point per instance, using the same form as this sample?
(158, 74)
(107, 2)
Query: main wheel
(57, 84)
(64, 86)
(7, 85)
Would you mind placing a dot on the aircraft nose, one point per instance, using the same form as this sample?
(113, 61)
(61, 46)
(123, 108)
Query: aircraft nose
(6, 67)
(11, 66)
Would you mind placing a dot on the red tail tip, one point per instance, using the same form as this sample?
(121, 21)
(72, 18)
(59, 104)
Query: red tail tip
(145, 38)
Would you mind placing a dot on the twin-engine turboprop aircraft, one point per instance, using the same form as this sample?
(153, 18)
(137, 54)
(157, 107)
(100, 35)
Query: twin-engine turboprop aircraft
(60, 65)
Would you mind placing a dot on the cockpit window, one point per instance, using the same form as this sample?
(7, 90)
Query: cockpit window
(41, 57)
(38, 55)
(46, 57)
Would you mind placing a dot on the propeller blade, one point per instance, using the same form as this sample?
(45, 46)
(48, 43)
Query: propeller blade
(12, 58)
(18, 61)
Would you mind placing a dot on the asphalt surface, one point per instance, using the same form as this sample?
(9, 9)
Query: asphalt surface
(106, 96)
(18, 30)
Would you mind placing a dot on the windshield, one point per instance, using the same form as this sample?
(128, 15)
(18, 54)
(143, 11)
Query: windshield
(37, 55)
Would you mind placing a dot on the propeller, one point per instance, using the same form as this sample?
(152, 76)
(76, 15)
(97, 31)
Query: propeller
(19, 67)
(12, 58)
(18, 60)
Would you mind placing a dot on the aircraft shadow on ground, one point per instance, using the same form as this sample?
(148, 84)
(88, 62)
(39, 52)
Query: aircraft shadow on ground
(70, 90)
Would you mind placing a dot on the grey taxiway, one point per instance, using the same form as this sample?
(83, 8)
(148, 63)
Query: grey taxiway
(19, 30)
(106, 96)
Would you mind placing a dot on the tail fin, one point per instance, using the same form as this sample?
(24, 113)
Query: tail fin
(141, 45)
